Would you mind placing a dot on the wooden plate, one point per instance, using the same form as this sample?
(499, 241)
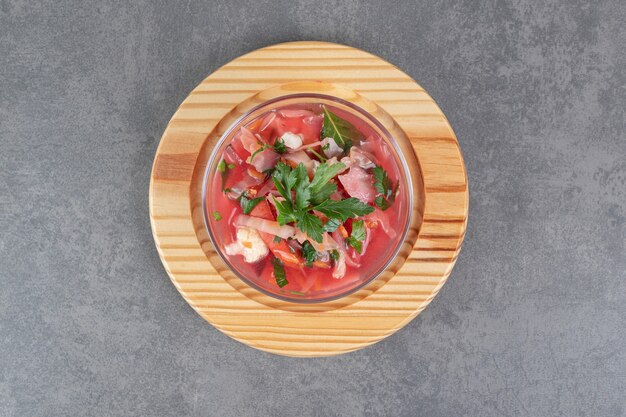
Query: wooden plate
(375, 311)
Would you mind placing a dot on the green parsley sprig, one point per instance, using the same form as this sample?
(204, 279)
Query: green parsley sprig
(302, 196)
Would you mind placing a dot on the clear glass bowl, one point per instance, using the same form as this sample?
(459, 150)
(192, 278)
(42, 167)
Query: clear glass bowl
(374, 265)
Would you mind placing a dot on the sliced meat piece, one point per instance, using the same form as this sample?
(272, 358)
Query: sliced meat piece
(359, 184)
(382, 219)
(264, 160)
(249, 140)
(361, 158)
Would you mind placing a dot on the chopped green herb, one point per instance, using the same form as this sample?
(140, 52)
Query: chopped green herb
(382, 182)
(382, 202)
(321, 187)
(221, 167)
(344, 209)
(332, 225)
(230, 166)
(326, 147)
(277, 239)
(357, 236)
(384, 186)
(342, 131)
(298, 293)
(249, 204)
(311, 225)
(217, 216)
(308, 253)
(279, 146)
(334, 255)
(279, 272)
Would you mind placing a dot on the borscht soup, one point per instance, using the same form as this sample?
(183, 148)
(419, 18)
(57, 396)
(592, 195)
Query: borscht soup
(307, 201)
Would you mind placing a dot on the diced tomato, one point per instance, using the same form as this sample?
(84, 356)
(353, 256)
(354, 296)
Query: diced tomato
(266, 188)
(263, 211)
(283, 252)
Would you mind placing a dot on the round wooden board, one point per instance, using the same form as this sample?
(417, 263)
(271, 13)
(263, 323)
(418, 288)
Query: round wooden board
(373, 312)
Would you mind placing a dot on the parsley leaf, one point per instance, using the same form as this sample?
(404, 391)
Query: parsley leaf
(382, 182)
(342, 131)
(279, 146)
(277, 239)
(385, 187)
(249, 204)
(284, 180)
(311, 225)
(217, 216)
(325, 173)
(303, 189)
(344, 209)
(382, 202)
(332, 225)
(279, 272)
(334, 255)
(321, 187)
(323, 193)
(308, 253)
(285, 212)
(358, 235)
(221, 167)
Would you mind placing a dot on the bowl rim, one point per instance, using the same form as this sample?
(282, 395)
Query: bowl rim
(391, 140)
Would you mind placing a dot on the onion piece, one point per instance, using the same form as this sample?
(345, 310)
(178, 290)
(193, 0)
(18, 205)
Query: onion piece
(328, 243)
(340, 266)
(266, 226)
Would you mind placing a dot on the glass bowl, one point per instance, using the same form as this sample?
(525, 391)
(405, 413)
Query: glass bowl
(371, 267)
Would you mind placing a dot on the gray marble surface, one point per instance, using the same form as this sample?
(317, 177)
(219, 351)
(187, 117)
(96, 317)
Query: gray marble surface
(532, 321)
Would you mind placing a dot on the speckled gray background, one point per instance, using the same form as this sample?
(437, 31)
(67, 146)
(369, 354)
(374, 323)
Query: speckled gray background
(532, 321)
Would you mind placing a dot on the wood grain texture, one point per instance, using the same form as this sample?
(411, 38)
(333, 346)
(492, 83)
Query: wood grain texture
(372, 313)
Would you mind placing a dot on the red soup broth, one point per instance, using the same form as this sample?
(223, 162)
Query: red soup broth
(384, 228)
